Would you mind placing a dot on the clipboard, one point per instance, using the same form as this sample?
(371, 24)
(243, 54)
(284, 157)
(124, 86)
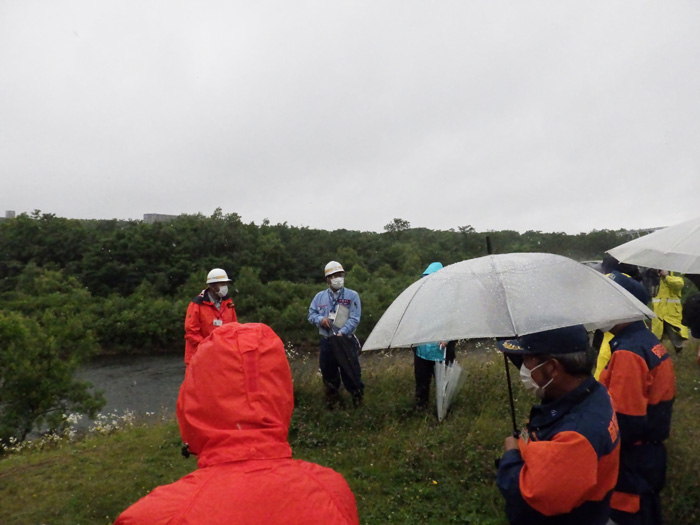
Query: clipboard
(342, 315)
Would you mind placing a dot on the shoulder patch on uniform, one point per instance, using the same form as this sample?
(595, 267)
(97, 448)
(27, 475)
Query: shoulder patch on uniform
(659, 351)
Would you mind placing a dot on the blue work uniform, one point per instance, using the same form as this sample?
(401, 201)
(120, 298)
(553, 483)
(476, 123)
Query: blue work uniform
(322, 306)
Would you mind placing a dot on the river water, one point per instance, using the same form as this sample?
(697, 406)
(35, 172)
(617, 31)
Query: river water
(150, 384)
(141, 384)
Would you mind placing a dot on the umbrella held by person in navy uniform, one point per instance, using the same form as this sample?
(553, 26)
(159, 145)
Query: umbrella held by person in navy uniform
(565, 468)
(336, 312)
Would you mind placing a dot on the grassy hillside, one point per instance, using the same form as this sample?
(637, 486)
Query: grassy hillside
(403, 466)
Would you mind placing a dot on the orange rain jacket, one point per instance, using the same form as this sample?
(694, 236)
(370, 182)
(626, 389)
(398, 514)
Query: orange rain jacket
(642, 385)
(203, 318)
(234, 410)
(567, 463)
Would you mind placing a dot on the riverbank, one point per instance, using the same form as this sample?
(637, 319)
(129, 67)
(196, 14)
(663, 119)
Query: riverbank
(149, 384)
(403, 467)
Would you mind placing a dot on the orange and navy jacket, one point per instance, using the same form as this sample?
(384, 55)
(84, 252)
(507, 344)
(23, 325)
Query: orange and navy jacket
(203, 318)
(567, 463)
(642, 384)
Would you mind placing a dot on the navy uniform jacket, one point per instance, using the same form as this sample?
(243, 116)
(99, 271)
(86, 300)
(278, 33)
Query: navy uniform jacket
(567, 464)
(642, 384)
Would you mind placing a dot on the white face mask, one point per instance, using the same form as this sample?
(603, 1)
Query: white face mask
(223, 290)
(337, 282)
(529, 383)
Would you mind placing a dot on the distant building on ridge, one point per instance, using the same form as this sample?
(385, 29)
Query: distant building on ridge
(150, 218)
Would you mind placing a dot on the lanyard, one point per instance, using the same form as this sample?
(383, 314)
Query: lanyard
(334, 301)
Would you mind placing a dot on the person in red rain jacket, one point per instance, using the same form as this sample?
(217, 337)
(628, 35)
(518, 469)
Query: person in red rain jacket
(234, 410)
(642, 385)
(208, 311)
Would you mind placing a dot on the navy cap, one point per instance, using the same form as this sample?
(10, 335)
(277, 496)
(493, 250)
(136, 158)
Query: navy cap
(567, 340)
(634, 287)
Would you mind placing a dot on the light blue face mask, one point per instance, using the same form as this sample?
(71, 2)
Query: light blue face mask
(529, 383)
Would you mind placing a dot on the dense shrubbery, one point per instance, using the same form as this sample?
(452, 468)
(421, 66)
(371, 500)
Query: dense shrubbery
(72, 288)
(45, 333)
(137, 278)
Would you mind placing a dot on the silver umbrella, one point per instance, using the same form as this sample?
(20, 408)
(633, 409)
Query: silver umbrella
(505, 295)
(675, 248)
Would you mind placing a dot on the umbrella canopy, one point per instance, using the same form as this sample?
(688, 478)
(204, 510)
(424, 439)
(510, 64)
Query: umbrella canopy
(503, 295)
(676, 248)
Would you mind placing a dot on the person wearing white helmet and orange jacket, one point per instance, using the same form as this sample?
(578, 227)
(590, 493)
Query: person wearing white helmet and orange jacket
(208, 311)
(336, 312)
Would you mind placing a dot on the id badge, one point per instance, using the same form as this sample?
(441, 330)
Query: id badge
(218, 322)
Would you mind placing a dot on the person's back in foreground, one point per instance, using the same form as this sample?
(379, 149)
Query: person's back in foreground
(234, 410)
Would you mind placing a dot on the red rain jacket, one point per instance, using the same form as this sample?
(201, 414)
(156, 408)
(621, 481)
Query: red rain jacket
(234, 410)
(203, 318)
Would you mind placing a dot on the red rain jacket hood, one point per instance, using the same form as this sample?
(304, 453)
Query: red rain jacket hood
(237, 402)
(234, 410)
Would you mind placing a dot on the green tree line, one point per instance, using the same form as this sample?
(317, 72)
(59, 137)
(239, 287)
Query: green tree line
(72, 289)
(136, 279)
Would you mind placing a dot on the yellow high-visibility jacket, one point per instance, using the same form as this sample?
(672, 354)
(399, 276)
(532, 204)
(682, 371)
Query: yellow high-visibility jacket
(667, 305)
(603, 354)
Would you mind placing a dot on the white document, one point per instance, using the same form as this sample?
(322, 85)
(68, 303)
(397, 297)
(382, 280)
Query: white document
(342, 314)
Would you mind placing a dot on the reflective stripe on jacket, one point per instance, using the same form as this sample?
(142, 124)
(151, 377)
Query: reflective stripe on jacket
(565, 471)
(203, 318)
(667, 306)
(234, 410)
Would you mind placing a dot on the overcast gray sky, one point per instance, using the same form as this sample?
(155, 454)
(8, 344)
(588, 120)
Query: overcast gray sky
(524, 115)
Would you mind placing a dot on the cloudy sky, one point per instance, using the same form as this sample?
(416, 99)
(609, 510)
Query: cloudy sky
(525, 115)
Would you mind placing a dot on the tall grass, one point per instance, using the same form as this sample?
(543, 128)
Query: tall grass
(403, 466)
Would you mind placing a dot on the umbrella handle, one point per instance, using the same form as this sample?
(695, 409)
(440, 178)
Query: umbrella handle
(516, 433)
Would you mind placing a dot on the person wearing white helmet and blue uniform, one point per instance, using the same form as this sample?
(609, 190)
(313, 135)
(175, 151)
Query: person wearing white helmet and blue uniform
(336, 312)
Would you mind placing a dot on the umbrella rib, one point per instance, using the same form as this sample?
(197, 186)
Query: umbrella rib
(405, 310)
(505, 295)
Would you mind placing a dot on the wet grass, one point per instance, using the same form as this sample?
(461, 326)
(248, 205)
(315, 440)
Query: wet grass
(403, 466)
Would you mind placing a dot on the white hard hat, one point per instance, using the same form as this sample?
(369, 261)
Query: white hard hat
(217, 275)
(333, 267)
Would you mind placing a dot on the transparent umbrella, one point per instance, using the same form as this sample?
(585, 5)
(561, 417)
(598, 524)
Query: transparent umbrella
(449, 378)
(675, 248)
(505, 295)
